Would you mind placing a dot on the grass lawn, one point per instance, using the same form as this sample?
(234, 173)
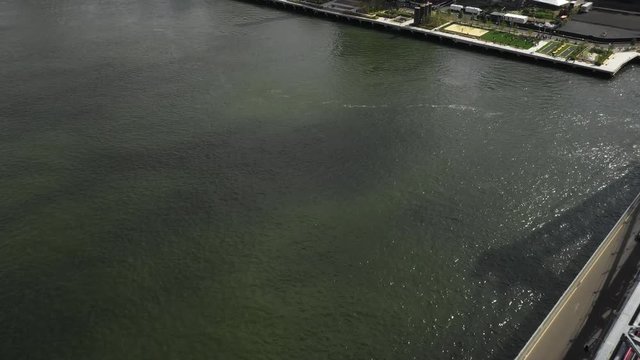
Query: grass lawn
(516, 41)
(566, 50)
(540, 13)
(390, 14)
(543, 14)
(385, 15)
(549, 47)
(577, 52)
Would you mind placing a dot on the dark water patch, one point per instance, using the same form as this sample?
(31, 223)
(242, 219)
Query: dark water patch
(265, 21)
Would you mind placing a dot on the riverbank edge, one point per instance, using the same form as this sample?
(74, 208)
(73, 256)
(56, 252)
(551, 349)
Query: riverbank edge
(612, 66)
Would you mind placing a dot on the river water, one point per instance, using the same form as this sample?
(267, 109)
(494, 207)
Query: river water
(213, 179)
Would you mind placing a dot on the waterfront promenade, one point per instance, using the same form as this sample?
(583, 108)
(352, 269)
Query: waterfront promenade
(610, 67)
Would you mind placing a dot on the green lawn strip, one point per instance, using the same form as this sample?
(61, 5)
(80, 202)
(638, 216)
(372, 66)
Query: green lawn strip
(561, 49)
(553, 48)
(568, 51)
(548, 48)
(549, 15)
(385, 15)
(390, 14)
(539, 13)
(512, 40)
(577, 52)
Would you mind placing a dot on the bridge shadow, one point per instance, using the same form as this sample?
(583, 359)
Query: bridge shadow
(522, 263)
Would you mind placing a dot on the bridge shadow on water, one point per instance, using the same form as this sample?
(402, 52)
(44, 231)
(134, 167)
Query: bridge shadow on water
(522, 262)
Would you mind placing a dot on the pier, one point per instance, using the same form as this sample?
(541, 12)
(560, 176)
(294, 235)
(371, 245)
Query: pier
(609, 68)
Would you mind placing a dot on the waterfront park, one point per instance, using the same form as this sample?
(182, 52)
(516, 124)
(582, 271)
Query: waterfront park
(536, 30)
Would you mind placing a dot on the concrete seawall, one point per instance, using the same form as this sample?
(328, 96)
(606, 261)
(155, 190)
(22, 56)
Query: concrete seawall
(611, 67)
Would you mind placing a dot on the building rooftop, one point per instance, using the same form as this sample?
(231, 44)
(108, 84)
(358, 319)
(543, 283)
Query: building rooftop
(557, 3)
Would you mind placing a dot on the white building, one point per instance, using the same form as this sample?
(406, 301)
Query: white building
(586, 7)
(555, 4)
(472, 10)
(516, 19)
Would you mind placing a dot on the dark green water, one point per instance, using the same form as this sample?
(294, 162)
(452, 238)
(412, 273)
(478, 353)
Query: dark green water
(209, 179)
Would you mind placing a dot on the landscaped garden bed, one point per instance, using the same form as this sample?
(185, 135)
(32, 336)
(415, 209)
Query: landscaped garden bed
(392, 13)
(603, 55)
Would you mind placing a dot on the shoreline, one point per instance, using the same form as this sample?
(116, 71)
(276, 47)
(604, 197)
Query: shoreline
(609, 69)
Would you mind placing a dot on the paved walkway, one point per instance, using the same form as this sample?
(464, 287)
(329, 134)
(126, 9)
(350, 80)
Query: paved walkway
(620, 59)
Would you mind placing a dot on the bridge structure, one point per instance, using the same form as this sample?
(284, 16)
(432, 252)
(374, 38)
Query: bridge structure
(598, 316)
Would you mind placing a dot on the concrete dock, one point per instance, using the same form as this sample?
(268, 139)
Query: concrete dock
(610, 68)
